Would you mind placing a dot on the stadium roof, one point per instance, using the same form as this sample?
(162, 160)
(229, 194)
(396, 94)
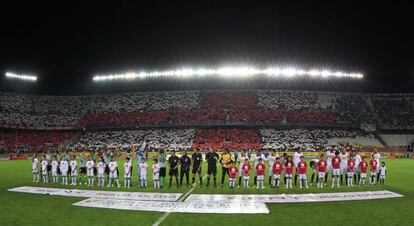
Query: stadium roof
(64, 46)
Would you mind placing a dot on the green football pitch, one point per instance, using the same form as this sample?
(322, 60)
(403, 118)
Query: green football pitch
(33, 209)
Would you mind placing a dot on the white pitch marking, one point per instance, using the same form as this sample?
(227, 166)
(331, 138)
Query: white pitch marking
(165, 215)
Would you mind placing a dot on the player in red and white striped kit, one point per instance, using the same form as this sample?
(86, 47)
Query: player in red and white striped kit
(351, 170)
(289, 171)
(246, 174)
(363, 166)
(277, 171)
(322, 168)
(374, 170)
(233, 174)
(260, 170)
(302, 168)
(336, 169)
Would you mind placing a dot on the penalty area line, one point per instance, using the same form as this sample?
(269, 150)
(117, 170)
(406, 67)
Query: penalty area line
(181, 199)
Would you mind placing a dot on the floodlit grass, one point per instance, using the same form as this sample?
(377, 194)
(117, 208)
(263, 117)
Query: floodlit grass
(32, 209)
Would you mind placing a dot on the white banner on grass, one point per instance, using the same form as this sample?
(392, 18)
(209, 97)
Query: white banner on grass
(289, 198)
(175, 207)
(143, 196)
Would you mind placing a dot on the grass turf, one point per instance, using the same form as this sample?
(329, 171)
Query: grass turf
(31, 209)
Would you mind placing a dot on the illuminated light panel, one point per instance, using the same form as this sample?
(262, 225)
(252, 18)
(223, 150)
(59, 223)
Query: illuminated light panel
(230, 72)
(21, 76)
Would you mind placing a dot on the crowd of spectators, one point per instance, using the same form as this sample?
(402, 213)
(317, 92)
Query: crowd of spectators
(395, 111)
(22, 141)
(206, 108)
(353, 108)
(227, 138)
(26, 141)
(145, 101)
(172, 138)
(287, 100)
(41, 111)
(309, 139)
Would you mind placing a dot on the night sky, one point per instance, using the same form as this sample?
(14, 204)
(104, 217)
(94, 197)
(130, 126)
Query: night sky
(66, 44)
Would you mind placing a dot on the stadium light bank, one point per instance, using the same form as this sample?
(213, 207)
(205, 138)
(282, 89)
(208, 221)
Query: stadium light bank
(23, 77)
(230, 72)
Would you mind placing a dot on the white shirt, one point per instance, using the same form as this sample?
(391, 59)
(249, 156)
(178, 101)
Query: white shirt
(112, 166)
(127, 167)
(344, 159)
(73, 165)
(243, 159)
(377, 157)
(90, 164)
(143, 168)
(156, 168)
(296, 158)
(256, 158)
(101, 167)
(358, 159)
(382, 170)
(34, 163)
(44, 165)
(64, 165)
(54, 166)
(271, 160)
(330, 155)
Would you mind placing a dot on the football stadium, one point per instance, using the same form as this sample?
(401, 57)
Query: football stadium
(214, 113)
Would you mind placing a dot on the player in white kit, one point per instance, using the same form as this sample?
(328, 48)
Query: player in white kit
(101, 173)
(35, 169)
(344, 166)
(377, 157)
(143, 173)
(44, 170)
(271, 160)
(296, 160)
(113, 173)
(156, 174)
(64, 167)
(90, 166)
(358, 159)
(73, 170)
(383, 171)
(329, 155)
(127, 173)
(242, 159)
(55, 170)
(259, 155)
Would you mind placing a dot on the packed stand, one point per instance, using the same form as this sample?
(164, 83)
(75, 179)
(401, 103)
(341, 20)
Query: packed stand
(286, 100)
(41, 111)
(207, 108)
(227, 138)
(353, 108)
(297, 106)
(131, 109)
(33, 141)
(145, 101)
(176, 138)
(310, 140)
(395, 111)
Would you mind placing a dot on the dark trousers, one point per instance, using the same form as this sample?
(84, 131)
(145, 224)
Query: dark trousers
(223, 174)
(187, 176)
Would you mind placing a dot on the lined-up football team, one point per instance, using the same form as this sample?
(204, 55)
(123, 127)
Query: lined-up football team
(344, 167)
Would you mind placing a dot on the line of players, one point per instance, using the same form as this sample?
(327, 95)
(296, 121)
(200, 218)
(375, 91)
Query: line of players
(340, 165)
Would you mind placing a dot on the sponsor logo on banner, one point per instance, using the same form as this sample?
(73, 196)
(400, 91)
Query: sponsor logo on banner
(148, 196)
(198, 203)
(290, 198)
(175, 207)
